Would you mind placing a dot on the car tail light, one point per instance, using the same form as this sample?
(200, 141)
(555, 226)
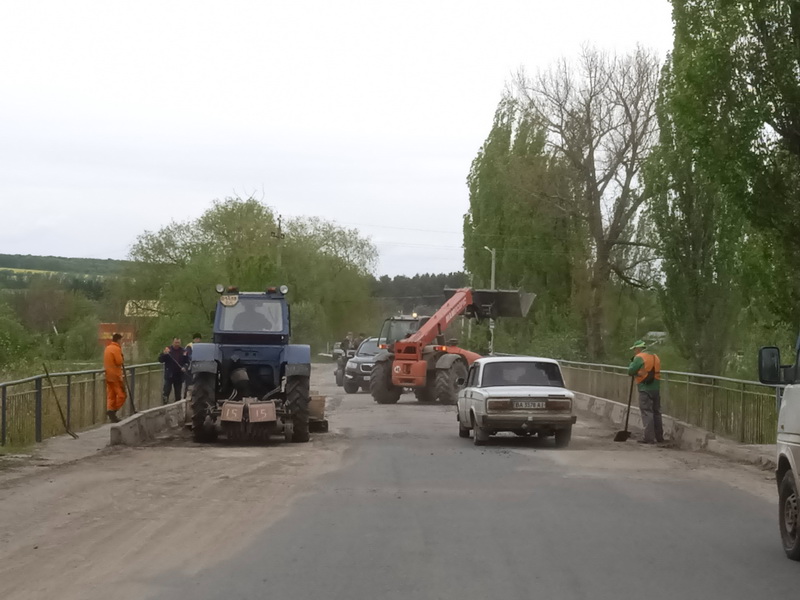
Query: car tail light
(382, 346)
(498, 405)
(559, 404)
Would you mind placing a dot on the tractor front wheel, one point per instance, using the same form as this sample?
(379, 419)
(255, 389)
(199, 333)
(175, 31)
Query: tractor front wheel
(297, 396)
(380, 384)
(203, 399)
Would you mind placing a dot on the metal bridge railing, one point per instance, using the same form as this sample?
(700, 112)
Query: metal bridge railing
(737, 409)
(28, 411)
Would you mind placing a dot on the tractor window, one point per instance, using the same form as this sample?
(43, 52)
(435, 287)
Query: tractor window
(394, 330)
(252, 315)
(521, 373)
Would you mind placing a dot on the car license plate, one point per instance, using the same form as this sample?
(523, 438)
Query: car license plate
(529, 404)
(365, 378)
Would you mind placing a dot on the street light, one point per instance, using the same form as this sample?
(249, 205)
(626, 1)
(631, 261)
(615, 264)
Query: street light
(494, 255)
(491, 321)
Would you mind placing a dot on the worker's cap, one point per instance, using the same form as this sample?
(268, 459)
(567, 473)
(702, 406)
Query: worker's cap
(639, 344)
(116, 337)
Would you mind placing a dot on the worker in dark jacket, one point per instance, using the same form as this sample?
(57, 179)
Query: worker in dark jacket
(175, 361)
(646, 368)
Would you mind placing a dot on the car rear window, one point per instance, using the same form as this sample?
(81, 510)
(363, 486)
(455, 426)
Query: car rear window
(521, 373)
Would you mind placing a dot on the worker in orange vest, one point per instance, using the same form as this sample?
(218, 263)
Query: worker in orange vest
(115, 386)
(646, 368)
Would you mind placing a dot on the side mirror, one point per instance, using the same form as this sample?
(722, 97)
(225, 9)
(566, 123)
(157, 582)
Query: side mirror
(769, 365)
(460, 382)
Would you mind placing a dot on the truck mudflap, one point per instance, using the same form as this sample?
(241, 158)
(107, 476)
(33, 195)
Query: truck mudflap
(250, 410)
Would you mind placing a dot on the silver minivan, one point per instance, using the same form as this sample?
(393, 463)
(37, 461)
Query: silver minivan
(772, 372)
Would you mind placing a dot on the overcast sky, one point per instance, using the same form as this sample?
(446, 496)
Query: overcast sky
(117, 117)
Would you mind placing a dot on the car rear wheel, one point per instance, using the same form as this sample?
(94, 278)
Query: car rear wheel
(463, 432)
(789, 515)
(563, 436)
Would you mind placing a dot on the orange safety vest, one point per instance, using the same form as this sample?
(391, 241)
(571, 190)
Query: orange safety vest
(651, 362)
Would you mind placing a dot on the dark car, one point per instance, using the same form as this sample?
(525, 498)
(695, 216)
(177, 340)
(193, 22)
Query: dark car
(359, 367)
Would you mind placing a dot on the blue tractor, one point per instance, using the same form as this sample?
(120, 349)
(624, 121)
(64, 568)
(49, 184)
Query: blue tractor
(250, 383)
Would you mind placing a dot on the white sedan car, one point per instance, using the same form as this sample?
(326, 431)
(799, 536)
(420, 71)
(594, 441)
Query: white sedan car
(521, 394)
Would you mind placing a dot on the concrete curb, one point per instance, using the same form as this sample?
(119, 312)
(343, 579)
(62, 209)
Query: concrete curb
(683, 435)
(144, 426)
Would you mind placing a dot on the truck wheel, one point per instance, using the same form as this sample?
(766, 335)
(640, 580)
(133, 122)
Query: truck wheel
(563, 437)
(789, 515)
(446, 388)
(380, 384)
(203, 398)
(297, 392)
(350, 387)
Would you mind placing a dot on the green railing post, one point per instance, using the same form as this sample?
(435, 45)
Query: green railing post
(69, 400)
(94, 398)
(741, 426)
(3, 417)
(38, 410)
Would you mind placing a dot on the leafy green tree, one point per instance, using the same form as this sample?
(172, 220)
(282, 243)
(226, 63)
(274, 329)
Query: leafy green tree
(599, 124)
(239, 242)
(743, 58)
(701, 229)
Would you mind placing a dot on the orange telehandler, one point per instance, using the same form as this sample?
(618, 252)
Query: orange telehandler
(416, 355)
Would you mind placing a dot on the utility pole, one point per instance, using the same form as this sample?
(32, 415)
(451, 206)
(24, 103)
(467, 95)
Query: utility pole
(491, 321)
(279, 235)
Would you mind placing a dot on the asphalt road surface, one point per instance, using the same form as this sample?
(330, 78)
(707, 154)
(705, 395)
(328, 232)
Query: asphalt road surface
(392, 504)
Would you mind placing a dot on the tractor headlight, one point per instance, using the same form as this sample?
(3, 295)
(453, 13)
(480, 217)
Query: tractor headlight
(351, 364)
(220, 288)
(284, 289)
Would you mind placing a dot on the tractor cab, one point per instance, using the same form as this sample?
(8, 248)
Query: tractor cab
(399, 328)
(252, 317)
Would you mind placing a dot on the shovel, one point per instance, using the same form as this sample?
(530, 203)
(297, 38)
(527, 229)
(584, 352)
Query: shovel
(622, 436)
(58, 404)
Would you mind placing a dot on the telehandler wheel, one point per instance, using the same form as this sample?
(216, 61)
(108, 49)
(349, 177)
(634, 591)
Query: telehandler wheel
(427, 394)
(297, 391)
(446, 386)
(203, 398)
(380, 384)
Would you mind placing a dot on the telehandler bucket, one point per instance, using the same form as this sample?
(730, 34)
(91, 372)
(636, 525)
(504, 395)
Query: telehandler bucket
(491, 304)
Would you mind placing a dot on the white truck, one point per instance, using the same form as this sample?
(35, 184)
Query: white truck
(772, 372)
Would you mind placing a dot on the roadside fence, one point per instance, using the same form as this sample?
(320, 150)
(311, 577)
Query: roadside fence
(28, 411)
(746, 411)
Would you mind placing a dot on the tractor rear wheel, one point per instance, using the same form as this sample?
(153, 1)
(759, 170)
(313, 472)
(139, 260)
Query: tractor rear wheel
(203, 399)
(380, 384)
(446, 386)
(297, 394)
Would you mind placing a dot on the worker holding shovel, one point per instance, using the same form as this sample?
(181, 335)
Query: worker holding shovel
(115, 386)
(175, 361)
(645, 367)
